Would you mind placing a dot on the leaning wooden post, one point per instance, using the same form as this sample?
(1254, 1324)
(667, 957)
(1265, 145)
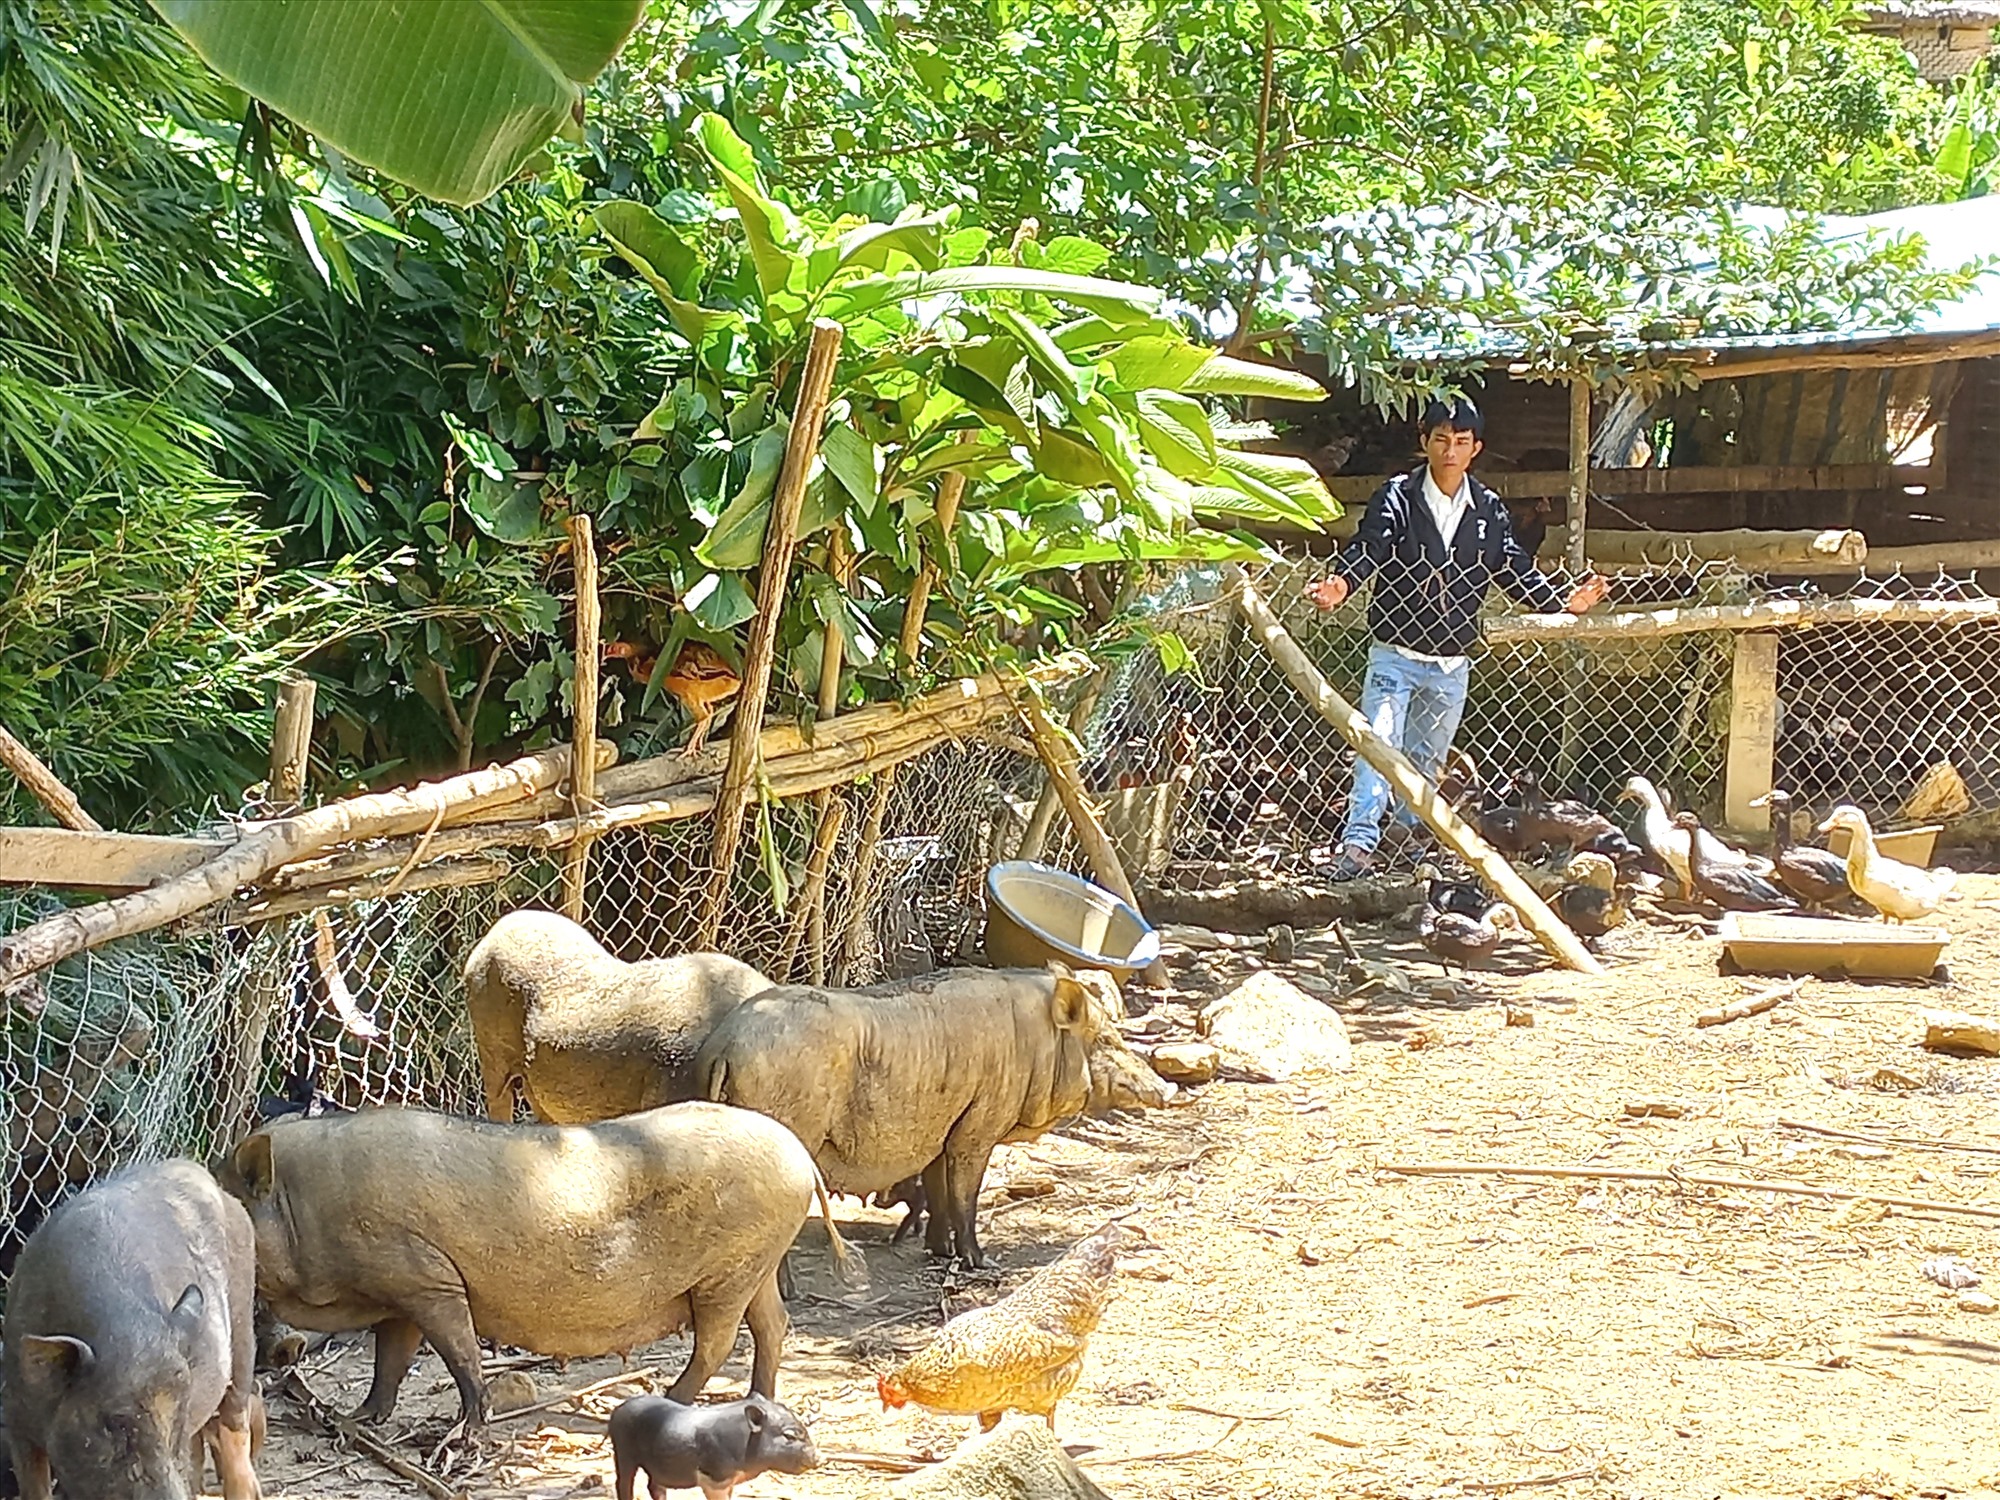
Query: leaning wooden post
(1408, 781)
(781, 537)
(46, 786)
(951, 490)
(1035, 837)
(1753, 730)
(1059, 760)
(291, 740)
(831, 811)
(583, 712)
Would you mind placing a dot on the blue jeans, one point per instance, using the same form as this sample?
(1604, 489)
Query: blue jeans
(1415, 706)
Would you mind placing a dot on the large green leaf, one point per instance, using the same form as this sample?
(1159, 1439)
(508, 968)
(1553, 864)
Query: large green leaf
(1030, 550)
(666, 262)
(1225, 375)
(1151, 362)
(771, 229)
(1176, 430)
(736, 540)
(450, 96)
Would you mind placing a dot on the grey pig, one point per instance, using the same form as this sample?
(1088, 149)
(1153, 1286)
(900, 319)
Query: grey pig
(129, 1344)
(713, 1448)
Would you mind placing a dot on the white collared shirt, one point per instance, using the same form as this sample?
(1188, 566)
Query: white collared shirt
(1448, 511)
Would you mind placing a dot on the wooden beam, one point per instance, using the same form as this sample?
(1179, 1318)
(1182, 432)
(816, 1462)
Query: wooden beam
(583, 710)
(1409, 783)
(1059, 759)
(94, 860)
(1924, 560)
(254, 856)
(1753, 730)
(1752, 551)
(46, 787)
(291, 741)
(1884, 352)
(781, 537)
(1718, 479)
(1776, 614)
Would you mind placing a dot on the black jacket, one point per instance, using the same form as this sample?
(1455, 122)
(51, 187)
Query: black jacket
(1423, 599)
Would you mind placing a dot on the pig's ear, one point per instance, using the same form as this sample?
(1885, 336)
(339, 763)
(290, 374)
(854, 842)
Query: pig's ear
(754, 1415)
(253, 1164)
(1059, 969)
(186, 1316)
(55, 1360)
(1070, 1005)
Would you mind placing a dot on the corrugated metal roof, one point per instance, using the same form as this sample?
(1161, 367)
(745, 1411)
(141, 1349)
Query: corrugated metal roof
(1931, 13)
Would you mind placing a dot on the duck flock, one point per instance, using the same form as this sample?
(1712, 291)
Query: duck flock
(1599, 868)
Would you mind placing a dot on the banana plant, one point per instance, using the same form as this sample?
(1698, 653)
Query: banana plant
(1077, 411)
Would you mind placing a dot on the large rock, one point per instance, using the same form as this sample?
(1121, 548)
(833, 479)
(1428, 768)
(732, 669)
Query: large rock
(1185, 1062)
(1019, 1460)
(1268, 1024)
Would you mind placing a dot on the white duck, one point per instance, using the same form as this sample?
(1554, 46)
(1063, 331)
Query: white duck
(1901, 892)
(1670, 843)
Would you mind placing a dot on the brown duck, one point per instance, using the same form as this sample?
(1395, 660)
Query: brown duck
(1815, 876)
(1730, 887)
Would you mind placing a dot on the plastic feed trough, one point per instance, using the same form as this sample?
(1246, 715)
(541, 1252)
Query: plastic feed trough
(1763, 944)
(1036, 915)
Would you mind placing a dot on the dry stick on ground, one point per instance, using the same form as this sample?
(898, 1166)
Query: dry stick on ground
(1506, 1486)
(623, 1377)
(1059, 760)
(1750, 1005)
(781, 536)
(46, 785)
(583, 710)
(355, 1436)
(1420, 795)
(951, 490)
(1696, 1179)
(257, 854)
(1913, 1141)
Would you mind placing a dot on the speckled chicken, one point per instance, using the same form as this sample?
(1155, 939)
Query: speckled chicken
(1025, 1352)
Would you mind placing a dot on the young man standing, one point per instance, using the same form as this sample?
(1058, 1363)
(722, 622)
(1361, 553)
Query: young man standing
(1434, 541)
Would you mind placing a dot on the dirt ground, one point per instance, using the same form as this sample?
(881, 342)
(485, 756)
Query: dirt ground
(1312, 1324)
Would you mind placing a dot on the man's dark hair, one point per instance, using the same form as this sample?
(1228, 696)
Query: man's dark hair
(1458, 413)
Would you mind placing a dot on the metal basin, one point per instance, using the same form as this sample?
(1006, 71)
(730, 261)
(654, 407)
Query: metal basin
(1036, 914)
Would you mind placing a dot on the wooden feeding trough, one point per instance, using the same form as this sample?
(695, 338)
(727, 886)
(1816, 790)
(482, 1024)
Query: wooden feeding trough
(1913, 846)
(1759, 944)
(1036, 914)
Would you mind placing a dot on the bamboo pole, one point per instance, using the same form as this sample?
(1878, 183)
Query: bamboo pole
(46, 786)
(810, 912)
(1035, 837)
(1059, 759)
(583, 708)
(257, 854)
(1775, 614)
(773, 573)
(951, 490)
(1833, 550)
(1408, 782)
(291, 740)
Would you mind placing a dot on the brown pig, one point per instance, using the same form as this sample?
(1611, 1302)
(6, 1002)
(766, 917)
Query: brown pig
(586, 1035)
(915, 1076)
(569, 1240)
(128, 1342)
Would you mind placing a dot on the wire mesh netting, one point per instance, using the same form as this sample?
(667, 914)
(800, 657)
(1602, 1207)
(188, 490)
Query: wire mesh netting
(166, 1043)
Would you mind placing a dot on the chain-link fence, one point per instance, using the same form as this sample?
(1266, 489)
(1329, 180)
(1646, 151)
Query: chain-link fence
(166, 1043)
(1902, 719)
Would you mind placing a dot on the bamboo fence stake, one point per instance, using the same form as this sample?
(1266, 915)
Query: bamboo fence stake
(1060, 761)
(46, 785)
(1749, 1005)
(830, 810)
(1408, 781)
(291, 740)
(583, 705)
(1696, 1179)
(1575, 666)
(1035, 837)
(780, 541)
(951, 489)
(253, 857)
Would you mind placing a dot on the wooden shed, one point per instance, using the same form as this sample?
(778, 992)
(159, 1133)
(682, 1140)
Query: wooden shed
(1948, 40)
(1891, 433)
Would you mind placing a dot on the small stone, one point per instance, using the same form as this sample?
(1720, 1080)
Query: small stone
(1655, 1109)
(1186, 1062)
(511, 1390)
(1193, 939)
(1030, 1185)
(1978, 1302)
(1519, 1015)
(1281, 944)
(1441, 990)
(1311, 1254)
